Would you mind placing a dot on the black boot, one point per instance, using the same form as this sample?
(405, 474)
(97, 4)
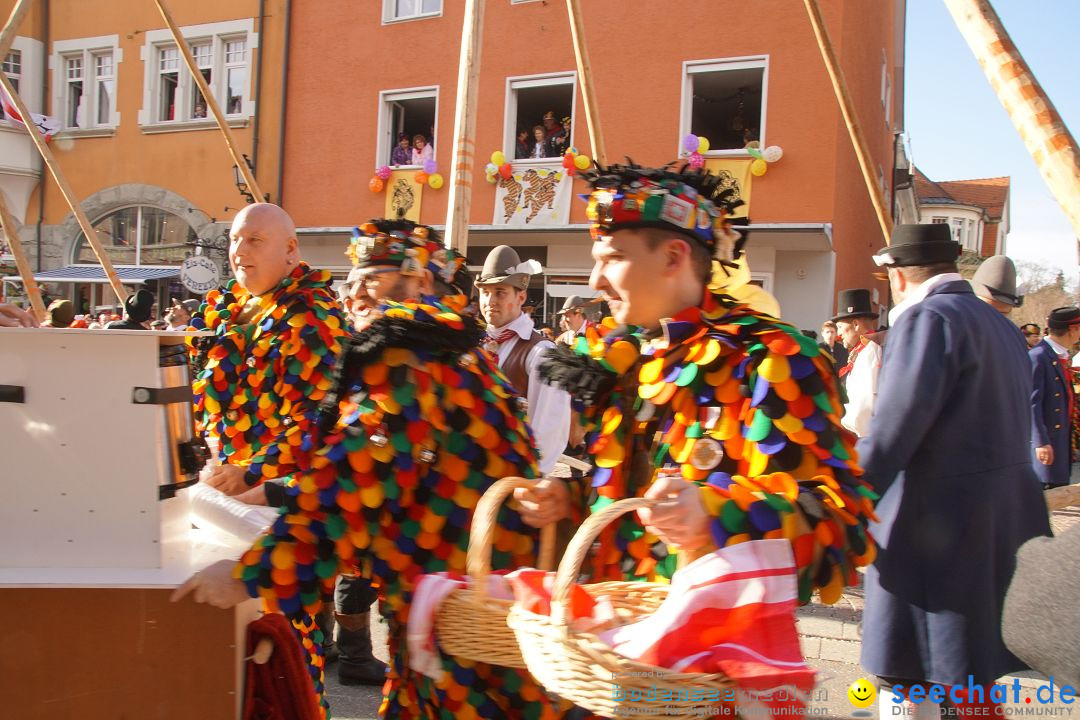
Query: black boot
(325, 621)
(356, 663)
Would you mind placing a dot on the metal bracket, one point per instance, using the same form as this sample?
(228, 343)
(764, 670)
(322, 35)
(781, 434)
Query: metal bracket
(161, 396)
(193, 455)
(12, 393)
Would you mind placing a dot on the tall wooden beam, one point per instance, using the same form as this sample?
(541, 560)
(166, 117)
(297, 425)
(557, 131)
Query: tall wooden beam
(465, 110)
(11, 27)
(1051, 145)
(847, 109)
(211, 101)
(65, 189)
(37, 305)
(585, 81)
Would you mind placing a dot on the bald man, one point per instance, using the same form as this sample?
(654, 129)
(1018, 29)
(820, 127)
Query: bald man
(262, 375)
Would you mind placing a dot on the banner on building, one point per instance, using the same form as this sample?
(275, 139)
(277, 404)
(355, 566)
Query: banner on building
(736, 174)
(535, 195)
(403, 195)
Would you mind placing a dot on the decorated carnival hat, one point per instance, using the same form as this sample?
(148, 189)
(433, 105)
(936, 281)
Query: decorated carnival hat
(1063, 318)
(918, 244)
(693, 202)
(399, 244)
(854, 303)
(996, 278)
(504, 266)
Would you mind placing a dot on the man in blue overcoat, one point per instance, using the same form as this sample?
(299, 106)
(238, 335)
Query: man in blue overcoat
(950, 456)
(1052, 398)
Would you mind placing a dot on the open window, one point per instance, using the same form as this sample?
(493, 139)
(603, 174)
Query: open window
(12, 67)
(724, 101)
(539, 116)
(407, 126)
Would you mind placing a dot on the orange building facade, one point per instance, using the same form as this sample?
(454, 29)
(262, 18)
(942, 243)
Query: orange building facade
(361, 74)
(135, 140)
(333, 86)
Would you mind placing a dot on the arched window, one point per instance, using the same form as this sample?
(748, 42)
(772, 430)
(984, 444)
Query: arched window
(139, 235)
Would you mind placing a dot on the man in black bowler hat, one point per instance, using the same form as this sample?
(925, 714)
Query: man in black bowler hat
(958, 493)
(1052, 398)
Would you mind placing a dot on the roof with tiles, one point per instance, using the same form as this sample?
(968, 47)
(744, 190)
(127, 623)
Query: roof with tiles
(991, 194)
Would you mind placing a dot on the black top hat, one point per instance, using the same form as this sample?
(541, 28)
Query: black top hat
(139, 305)
(919, 245)
(1062, 318)
(996, 278)
(852, 304)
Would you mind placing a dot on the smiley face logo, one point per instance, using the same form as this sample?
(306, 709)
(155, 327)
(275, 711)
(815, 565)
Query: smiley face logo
(861, 693)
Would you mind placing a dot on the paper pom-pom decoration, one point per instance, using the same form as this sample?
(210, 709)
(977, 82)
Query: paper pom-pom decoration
(697, 160)
(690, 143)
(430, 166)
(383, 172)
(375, 184)
(420, 177)
(772, 153)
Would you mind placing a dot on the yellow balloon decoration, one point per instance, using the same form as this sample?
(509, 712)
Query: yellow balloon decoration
(759, 167)
(703, 145)
(582, 162)
(435, 181)
(498, 157)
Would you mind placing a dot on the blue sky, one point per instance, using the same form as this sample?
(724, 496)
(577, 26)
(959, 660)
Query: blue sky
(958, 129)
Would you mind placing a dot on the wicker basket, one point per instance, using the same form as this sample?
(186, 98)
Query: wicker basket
(579, 667)
(468, 623)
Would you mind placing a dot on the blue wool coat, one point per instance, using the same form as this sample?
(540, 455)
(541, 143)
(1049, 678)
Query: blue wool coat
(949, 451)
(1050, 420)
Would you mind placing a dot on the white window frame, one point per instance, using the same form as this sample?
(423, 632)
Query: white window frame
(217, 35)
(886, 89)
(956, 225)
(385, 143)
(524, 82)
(86, 50)
(765, 278)
(388, 16)
(13, 56)
(694, 67)
(939, 220)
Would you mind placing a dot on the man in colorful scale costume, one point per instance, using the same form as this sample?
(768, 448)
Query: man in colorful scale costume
(737, 409)
(418, 425)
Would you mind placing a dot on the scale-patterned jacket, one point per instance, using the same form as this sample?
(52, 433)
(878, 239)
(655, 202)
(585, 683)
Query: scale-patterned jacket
(419, 424)
(259, 383)
(740, 403)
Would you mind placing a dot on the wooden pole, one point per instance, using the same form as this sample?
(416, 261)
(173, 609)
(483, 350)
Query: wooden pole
(464, 156)
(65, 189)
(11, 27)
(847, 108)
(585, 80)
(37, 305)
(211, 102)
(1036, 119)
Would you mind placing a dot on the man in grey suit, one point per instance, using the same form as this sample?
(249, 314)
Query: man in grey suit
(949, 452)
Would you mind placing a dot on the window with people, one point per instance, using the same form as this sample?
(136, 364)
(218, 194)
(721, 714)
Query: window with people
(725, 102)
(543, 114)
(222, 61)
(409, 123)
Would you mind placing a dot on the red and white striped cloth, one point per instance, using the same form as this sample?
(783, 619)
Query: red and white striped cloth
(46, 125)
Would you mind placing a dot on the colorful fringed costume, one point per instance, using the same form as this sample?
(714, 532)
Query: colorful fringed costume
(731, 398)
(740, 403)
(261, 376)
(259, 381)
(422, 425)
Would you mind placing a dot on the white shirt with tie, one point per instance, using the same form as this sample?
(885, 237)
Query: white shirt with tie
(549, 407)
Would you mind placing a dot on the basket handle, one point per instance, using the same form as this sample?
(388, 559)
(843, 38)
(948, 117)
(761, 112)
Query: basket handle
(478, 557)
(574, 557)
